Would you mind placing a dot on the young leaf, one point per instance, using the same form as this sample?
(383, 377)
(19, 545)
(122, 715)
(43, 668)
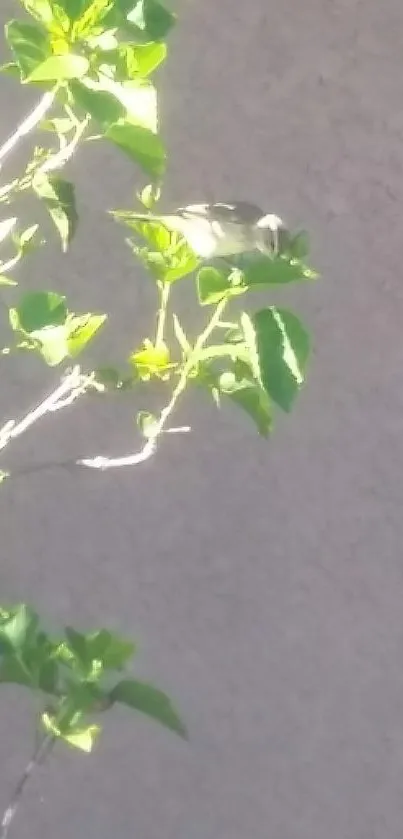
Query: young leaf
(150, 701)
(59, 68)
(29, 45)
(131, 61)
(282, 347)
(213, 285)
(141, 145)
(80, 737)
(59, 197)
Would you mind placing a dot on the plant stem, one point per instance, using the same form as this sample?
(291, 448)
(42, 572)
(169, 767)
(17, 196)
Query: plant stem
(29, 123)
(162, 313)
(38, 756)
(101, 462)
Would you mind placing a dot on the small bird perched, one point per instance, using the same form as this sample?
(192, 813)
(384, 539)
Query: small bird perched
(223, 229)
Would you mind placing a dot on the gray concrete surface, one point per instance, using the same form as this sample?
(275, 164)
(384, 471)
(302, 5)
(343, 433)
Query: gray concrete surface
(264, 582)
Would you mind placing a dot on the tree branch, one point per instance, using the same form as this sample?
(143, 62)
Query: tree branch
(38, 756)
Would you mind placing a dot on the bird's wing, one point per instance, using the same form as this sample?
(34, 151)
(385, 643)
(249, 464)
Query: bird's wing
(234, 212)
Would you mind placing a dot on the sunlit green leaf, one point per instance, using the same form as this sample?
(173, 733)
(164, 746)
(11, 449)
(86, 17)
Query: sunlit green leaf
(40, 9)
(141, 145)
(59, 198)
(53, 343)
(30, 45)
(58, 68)
(80, 737)
(80, 331)
(212, 285)
(132, 61)
(150, 701)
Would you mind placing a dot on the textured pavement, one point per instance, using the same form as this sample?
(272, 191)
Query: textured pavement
(263, 581)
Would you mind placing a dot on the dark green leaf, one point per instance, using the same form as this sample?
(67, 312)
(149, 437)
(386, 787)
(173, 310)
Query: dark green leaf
(58, 68)
(112, 650)
(282, 347)
(151, 19)
(14, 671)
(102, 106)
(29, 44)
(249, 396)
(139, 143)
(38, 310)
(261, 270)
(59, 198)
(150, 701)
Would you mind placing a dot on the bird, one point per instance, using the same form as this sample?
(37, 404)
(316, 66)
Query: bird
(222, 229)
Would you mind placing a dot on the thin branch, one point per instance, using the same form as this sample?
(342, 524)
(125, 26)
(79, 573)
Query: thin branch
(101, 462)
(40, 753)
(29, 123)
(72, 386)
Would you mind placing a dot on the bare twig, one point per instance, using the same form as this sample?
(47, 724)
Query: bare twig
(101, 462)
(29, 123)
(72, 386)
(40, 753)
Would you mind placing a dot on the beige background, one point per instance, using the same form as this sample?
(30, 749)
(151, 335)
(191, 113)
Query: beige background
(264, 581)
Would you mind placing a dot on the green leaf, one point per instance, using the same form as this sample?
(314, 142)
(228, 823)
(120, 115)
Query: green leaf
(151, 19)
(59, 198)
(131, 61)
(282, 346)
(150, 701)
(29, 44)
(112, 650)
(212, 286)
(139, 100)
(80, 737)
(102, 106)
(53, 344)
(13, 671)
(83, 738)
(38, 310)
(249, 396)
(58, 68)
(15, 629)
(41, 10)
(141, 145)
(101, 646)
(80, 331)
(261, 270)
(152, 361)
(87, 14)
